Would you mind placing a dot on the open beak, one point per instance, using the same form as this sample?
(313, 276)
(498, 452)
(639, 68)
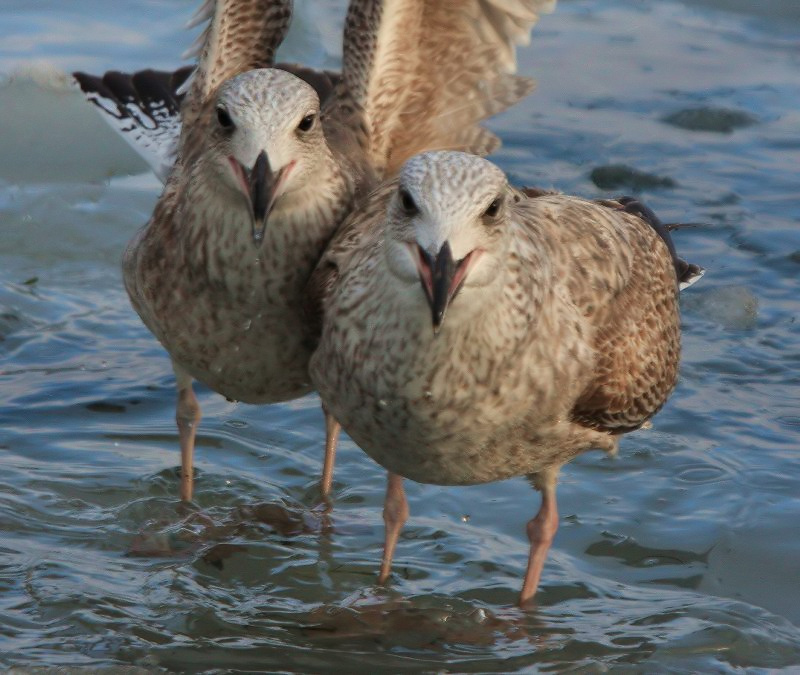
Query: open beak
(262, 186)
(441, 278)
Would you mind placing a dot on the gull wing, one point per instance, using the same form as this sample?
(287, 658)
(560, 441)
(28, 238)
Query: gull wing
(636, 345)
(144, 107)
(422, 74)
(686, 272)
(240, 35)
(618, 270)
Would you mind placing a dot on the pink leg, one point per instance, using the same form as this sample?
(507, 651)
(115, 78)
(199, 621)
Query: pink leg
(395, 514)
(541, 531)
(188, 417)
(332, 429)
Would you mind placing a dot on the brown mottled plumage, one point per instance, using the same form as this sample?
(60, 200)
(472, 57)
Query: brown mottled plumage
(561, 331)
(266, 171)
(425, 72)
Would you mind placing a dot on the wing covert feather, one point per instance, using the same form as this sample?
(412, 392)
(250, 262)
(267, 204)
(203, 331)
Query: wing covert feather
(354, 239)
(619, 274)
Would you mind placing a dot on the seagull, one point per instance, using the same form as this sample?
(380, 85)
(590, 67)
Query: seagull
(264, 165)
(472, 332)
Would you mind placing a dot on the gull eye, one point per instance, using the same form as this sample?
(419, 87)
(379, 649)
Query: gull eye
(408, 203)
(306, 123)
(493, 209)
(224, 118)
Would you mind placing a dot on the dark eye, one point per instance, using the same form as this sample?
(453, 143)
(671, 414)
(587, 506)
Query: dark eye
(407, 201)
(306, 123)
(493, 209)
(224, 118)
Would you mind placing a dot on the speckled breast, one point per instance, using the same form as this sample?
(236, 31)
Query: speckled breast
(233, 320)
(431, 418)
(256, 356)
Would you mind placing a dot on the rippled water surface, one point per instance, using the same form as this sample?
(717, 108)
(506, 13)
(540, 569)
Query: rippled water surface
(682, 554)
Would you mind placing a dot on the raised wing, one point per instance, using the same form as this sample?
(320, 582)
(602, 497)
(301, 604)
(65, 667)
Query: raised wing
(422, 74)
(144, 108)
(241, 35)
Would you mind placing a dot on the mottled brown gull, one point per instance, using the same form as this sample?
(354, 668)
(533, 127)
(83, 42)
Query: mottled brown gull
(267, 166)
(473, 332)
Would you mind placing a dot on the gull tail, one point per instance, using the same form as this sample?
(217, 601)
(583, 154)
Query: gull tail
(687, 273)
(144, 108)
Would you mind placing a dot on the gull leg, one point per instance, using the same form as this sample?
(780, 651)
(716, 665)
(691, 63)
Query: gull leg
(541, 531)
(187, 417)
(332, 429)
(395, 514)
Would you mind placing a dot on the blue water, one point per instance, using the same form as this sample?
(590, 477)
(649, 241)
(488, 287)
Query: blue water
(681, 555)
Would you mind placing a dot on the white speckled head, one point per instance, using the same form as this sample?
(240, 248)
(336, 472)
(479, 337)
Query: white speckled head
(450, 199)
(274, 112)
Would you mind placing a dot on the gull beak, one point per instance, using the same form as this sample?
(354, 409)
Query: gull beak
(441, 278)
(263, 187)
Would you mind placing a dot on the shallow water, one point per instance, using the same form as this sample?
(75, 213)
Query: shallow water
(682, 554)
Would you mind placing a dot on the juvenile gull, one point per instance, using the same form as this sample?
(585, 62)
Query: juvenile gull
(144, 107)
(472, 332)
(266, 169)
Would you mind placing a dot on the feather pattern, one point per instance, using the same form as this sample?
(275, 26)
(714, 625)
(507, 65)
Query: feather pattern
(424, 74)
(240, 35)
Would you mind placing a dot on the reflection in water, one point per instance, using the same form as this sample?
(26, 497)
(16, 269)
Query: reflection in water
(161, 537)
(420, 623)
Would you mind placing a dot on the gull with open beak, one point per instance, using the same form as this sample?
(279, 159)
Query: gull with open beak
(441, 278)
(555, 329)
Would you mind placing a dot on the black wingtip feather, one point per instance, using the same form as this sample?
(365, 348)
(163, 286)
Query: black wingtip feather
(92, 85)
(145, 89)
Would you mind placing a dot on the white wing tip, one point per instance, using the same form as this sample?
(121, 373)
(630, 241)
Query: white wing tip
(692, 279)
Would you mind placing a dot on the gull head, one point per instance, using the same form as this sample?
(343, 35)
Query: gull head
(447, 233)
(268, 139)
